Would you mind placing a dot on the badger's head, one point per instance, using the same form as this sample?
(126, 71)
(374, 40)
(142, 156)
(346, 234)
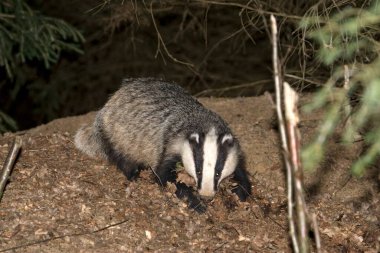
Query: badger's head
(209, 158)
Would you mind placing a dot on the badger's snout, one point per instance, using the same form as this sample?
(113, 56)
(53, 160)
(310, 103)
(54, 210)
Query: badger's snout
(206, 195)
(207, 198)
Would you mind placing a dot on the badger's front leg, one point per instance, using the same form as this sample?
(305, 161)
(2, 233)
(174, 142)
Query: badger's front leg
(129, 168)
(243, 190)
(166, 172)
(187, 193)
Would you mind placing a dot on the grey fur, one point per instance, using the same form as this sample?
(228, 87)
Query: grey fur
(144, 118)
(87, 140)
(148, 120)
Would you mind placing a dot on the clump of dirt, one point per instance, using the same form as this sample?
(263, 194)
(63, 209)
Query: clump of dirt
(58, 199)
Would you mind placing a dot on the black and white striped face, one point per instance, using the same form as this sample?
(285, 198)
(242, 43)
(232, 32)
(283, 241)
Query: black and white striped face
(209, 158)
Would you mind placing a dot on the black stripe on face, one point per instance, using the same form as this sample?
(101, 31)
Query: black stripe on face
(223, 149)
(197, 149)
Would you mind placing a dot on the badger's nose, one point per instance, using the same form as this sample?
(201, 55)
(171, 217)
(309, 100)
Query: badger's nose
(207, 197)
(206, 193)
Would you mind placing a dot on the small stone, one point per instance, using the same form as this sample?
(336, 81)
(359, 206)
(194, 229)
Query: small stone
(148, 234)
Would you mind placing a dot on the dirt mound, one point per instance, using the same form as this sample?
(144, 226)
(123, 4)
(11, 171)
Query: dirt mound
(60, 200)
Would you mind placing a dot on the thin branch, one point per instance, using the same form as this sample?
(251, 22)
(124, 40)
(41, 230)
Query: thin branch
(316, 233)
(155, 173)
(292, 120)
(9, 163)
(277, 81)
(247, 7)
(249, 21)
(161, 42)
(318, 84)
(239, 86)
(288, 123)
(63, 236)
(4, 16)
(217, 44)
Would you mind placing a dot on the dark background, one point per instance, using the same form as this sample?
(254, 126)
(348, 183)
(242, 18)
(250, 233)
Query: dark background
(211, 49)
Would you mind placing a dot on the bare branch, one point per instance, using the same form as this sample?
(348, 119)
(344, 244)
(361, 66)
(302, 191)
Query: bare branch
(5, 16)
(292, 120)
(316, 233)
(64, 236)
(229, 88)
(277, 81)
(161, 42)
(247, 7)
(9, 163)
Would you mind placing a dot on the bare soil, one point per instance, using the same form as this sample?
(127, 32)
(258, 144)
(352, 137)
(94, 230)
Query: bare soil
(59, 200)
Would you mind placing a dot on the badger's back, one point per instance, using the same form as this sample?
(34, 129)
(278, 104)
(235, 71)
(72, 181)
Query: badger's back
(144, 118)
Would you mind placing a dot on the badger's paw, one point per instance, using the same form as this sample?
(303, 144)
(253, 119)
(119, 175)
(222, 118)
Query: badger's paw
(241, 192)
(196, 204)
(186, 193)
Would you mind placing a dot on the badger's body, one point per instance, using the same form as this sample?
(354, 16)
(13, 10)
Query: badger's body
(151, 123)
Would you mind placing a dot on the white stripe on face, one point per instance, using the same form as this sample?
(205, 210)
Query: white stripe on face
(188, 160)
(195, 137)
(227, 137)
(210, 149)
(230, 164)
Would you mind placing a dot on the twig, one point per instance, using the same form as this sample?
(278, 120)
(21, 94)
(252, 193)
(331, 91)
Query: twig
(292, 120)
(239, 86)
(318, 84)
(218, 43)
(155, 173)
(167, 200)
(299, 217)
(63, 236)
(249, 21)
(9, 163)
(161, 42)
(5, 16)
(316, 233)
(247, 7)
(97, 8)
(217, 249)
(283, 134)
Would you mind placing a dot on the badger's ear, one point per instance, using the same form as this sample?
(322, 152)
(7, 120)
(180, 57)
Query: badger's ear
(227, 139)
(194, 138)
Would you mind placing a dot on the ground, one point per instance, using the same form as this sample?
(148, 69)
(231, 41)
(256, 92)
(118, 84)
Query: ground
(60, 200)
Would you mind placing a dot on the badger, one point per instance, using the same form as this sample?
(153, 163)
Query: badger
(156, 124)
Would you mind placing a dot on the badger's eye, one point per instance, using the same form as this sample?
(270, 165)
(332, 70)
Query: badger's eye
(199, 172)
(217, 174)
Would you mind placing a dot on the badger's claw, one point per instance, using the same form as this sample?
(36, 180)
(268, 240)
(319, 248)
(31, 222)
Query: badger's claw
(197, 205)
(186, 192)
(241, 193)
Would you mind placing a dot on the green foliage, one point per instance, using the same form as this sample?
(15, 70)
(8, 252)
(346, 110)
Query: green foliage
(6, 123)
(348, 38)
(29, 37)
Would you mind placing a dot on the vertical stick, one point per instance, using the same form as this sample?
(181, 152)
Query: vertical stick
(289, 175)
(316, 233)
(292, 120)
(9, 163)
